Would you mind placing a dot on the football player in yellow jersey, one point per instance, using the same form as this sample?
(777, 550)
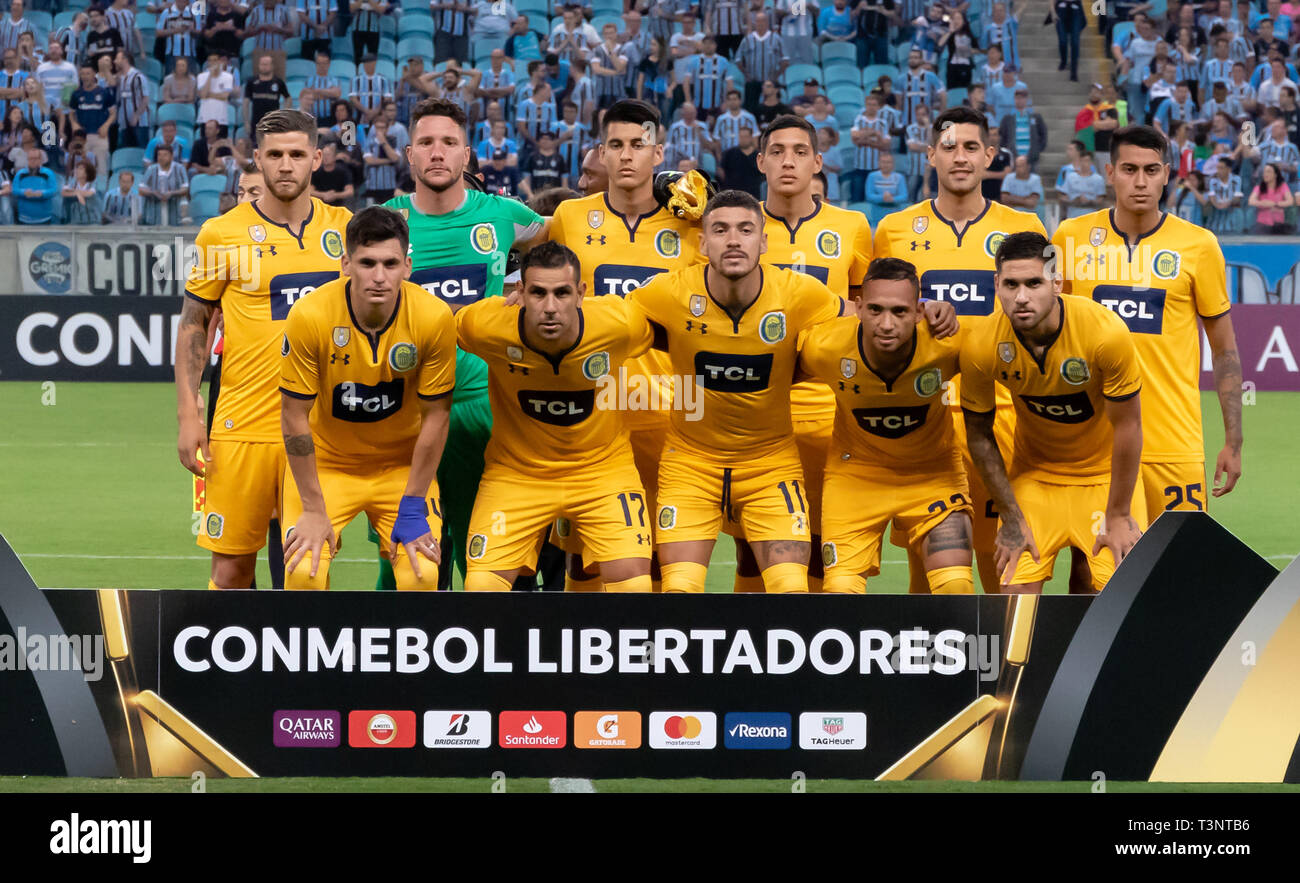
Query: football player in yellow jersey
(253, 262)
(1160, 273)
(559, 445)
(951, 240)
(733, 327)
(623, 238)
(893, 453)
(368, 364)
(1072, 371)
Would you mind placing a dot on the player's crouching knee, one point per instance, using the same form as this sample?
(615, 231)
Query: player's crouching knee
(951, 580)
(786, 578)
(844, 584)
(486, 581)
(683, 576)
(407, 581)
(301, 580)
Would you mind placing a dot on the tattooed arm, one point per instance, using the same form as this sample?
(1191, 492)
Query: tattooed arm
(191, 356)
(1014, 535)
(312, 531)
(1227, 380)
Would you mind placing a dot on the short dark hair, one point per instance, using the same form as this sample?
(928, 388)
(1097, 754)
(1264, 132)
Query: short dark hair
(544, 202)
(1023, 246)
(550, 255)
(374, 225)
(439, 107)
(629, 110)
(821, 176)
(1145, 137)
(893, 270)
(787, 121)
(961, 114)
(280, 122)
(732, 199)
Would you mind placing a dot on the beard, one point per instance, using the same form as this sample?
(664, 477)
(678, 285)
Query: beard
(441, 187)
(300, 187)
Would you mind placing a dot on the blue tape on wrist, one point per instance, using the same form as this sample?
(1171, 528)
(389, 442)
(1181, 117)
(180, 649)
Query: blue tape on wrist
(412, 520)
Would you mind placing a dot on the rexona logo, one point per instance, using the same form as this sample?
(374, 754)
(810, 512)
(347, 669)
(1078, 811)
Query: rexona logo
(457, 729)
(833, 730)
(607, 729)
(381, 729)
(683, 729)
(756, 730)
(307, 729)
(532, 729)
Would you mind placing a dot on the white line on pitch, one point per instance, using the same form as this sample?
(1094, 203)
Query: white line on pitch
(560, 785)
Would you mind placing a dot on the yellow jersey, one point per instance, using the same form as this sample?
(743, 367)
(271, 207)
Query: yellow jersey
(553, 414)
(1157, 285)
(619, 254)
(255, 269)
(1062, 433)
(741, 367)
(833, 245)
(372, 379)
(897, 426)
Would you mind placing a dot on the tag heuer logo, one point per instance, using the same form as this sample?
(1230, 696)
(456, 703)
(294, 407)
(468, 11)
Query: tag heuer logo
(402, 357)
(829, 554)
(848, 368)
(342, 334)
(514, 354)
(1097, 236)
(920, 224)
(257, 233)
(833, 725)
(928, 382)
(1075, 371)
(595, 218)
(1006, 351)
(668, 517)
(477, 546)
(595, 366)
(771, 329)
(697, 305)
(215, 525)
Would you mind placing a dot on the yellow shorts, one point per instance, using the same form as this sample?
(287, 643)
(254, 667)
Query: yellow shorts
(647, 445)
(603, 511)
(861, 502)
(244, 480)
(1174, 487)
(349, 493)
(763, 498)
(1062, 515)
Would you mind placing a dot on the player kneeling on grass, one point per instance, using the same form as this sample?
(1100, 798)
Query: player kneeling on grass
(380, 354)
(893, 452)
(559, 447)
(1071, 368)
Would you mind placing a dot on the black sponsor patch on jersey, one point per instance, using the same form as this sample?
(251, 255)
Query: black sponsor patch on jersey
(621, 279)
(288, 287)
(891, 422)
(821, 274)
(362, 403)
(971, 292)
(558, 407)
(460, 286)
(1073, 408)
(1142, 309)
(733, 372)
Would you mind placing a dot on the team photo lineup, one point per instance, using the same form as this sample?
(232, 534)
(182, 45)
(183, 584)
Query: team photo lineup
(594, 387)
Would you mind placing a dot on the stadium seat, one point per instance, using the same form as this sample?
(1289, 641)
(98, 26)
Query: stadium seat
(153, 69)
(387, 49)
(957, 96)
(293, 47)
(126, 157)
(872, 73)
(839, 52)
(861, 207)
(341, 48)
(709, 165)
(415, 25)
(795, 74)
(246, 69)
(296, 85)
(299, 68)
(147, 23)
(415, 5)
(386, 68)
(343, 68)
(207, 184)
(485, 45)
(204, 206)
(177, 113)
(388, 27)
(77, 5)
(532, 9)
(603, 18)
(599, 6)
(42, 21)
(901, 51)
(842, 74)
(409, 47)
(848, 95)
(64, 19)
(846, 112)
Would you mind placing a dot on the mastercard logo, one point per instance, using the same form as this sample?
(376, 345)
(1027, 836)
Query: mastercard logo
(682, 727)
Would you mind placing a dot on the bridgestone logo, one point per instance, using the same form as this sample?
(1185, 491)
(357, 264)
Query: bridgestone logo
(747, 731)
(442, 742)
(532, 740)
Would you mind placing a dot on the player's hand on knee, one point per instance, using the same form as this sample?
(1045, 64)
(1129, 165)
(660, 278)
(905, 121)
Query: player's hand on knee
(941, 316)
(1014, 539)
(412, 532)
(193, 438)
(308, 536)
(1227, 469)
(426, 546)
(1120, 534)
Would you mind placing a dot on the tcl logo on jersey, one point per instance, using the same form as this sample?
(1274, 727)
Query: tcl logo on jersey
(621, 279)
(558, 407)
(891, 422)
(361, 403)
(971, 292)
(1073, 408)
(733, 372)
(821, 274)
(288, 287)
(532, 729)
(607, 729)
(457, 729)
(381, 729)
(1142, 309)
(455, 285)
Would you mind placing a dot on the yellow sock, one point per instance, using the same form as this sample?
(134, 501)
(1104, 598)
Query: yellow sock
(590, 584)
(634, 584)
(684, 576)
(784, 578)
(844, 584)
(747, 584)
(213, 587)
(486, 581)
(951, 580)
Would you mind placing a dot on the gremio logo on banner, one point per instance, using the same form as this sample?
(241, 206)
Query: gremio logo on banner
(51, 267)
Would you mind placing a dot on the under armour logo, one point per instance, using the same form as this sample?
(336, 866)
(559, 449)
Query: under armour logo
(334, 357)
(262, 251)
(1014, 375)
(856, 388)
(520, 368)
(590, 238)
(926, 245)
(704, 326)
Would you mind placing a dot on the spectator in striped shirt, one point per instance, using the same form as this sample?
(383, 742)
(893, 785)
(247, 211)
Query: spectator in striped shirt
(663, 14)
(1003, 31)
(688, 138)
(460, 90)
(638, 41)
(917, 139)
(383, 157)
(492, 19)
(321, 90)
(497, 140)
(870, 137)
(917, 86)
(726, 128)
(369, 89)
(55, 72)
(572, 38)
(1224, 201)
(1178, 109)
(165, 183)
(496, 84)
(13, 26)
(1242, 91)
(1277, 148)
(451, 35)
(1217, 69)
(574, 139)
(11, 80)
(761, 56)
(39, 110)
(795, 20)
(122, 19)
(315, 24)
(269, 25)
(581, 90)
(132, 103)
(413, 86)
(168, 138)
(728, 20)
(535, 114)
(705, 78)
(609, 62)
(176, 25)
(122, 206)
